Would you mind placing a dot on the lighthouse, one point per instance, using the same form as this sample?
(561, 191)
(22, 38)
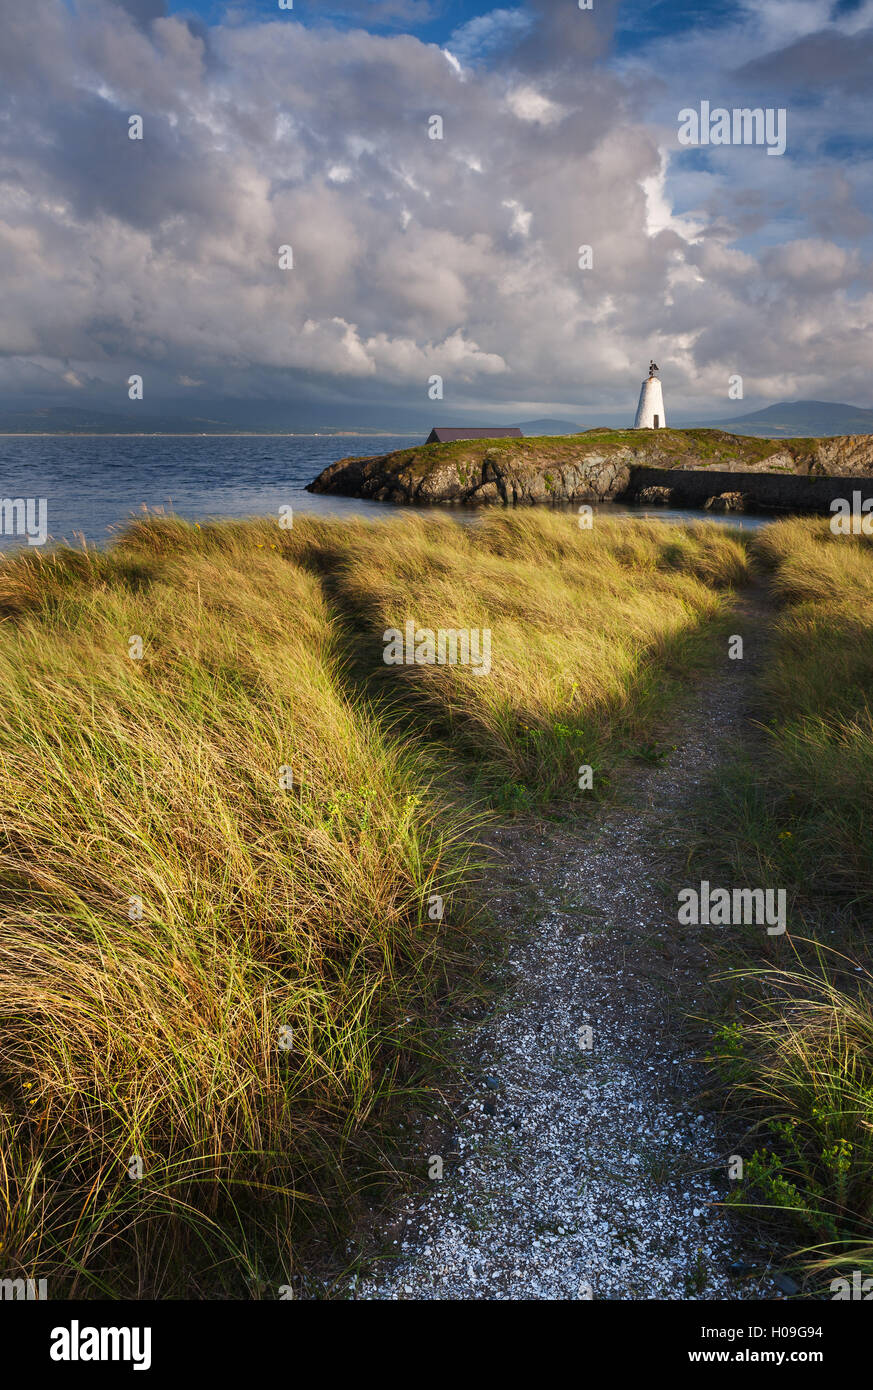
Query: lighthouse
(650, 411)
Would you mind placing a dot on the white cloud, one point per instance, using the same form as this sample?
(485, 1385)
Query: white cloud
(453, 62)
(530, 105)
(660, 215)
(521, 217)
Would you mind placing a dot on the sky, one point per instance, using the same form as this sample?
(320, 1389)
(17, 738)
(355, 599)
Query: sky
(416, 258)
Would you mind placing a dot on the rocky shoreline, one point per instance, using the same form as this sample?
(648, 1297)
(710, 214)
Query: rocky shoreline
(699, 468)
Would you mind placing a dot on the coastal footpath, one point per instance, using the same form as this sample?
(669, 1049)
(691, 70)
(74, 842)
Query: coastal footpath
(708, 468)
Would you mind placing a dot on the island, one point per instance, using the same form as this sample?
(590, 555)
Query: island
(682, 468)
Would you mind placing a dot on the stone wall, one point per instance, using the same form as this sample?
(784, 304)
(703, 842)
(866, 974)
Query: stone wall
(734, 491)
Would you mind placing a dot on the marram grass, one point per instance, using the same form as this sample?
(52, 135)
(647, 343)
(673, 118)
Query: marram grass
(801, 816)
(591, 631)
(219, 959)
(153, 787)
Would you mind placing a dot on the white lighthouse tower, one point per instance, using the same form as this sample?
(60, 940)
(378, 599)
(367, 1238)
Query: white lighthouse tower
(650, 411)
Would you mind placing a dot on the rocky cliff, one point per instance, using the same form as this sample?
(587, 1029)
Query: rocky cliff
(596, 466)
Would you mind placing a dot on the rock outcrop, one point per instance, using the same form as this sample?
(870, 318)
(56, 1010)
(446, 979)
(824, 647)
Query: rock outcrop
(600, 466)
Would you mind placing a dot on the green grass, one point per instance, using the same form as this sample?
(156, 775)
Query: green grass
(155, 787)
(262, 908)
(799, 1052)
(679, 448)
(592, 633)
(806, 817)
(267, 907)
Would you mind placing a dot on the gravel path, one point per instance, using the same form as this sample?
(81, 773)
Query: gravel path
(583, 1166)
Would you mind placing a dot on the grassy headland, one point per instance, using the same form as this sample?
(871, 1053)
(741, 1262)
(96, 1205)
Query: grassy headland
(596, 465)
(689, 446)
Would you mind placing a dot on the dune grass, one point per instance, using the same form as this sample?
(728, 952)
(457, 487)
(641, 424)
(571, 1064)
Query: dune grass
(221, 965)
(799, 1062)
(172, 902)
(800, 816)
(820, 687)
(592, 632)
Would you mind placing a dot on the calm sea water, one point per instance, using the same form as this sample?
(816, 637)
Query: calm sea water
(93, 484)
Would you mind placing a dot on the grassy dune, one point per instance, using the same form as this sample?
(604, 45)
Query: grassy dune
(591, 632)
(231, 974)
(263, 908)
(801, 817)
(820, 689)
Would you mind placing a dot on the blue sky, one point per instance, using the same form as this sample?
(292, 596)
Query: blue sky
(431, 21)
(434, 21)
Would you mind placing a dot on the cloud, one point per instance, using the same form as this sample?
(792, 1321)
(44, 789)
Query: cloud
(144, 10)
(413, 256)
(490, 33)
(528, 104)
(828, 61)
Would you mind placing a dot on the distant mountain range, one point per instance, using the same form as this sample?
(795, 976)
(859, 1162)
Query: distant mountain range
(73, 420)
(788, 419)
(548, 426)
(798, 419)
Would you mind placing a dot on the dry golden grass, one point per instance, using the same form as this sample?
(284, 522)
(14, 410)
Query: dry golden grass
(591, 630)
(157, 782)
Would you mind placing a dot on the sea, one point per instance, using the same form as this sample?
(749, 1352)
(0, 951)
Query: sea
(87, 487)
